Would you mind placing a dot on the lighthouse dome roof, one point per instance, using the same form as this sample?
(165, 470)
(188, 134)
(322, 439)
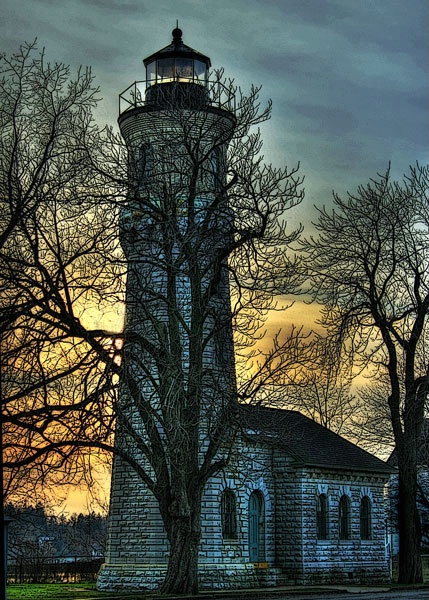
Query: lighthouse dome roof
(177, 49)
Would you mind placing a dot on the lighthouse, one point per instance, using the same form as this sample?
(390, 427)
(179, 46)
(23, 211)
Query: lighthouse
(178, 382)
(207, 490)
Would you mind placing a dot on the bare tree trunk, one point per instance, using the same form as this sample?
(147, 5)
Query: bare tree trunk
(184, 533)
(410, 566)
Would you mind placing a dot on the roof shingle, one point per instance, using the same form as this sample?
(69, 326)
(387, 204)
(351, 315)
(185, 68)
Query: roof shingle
(308, 442)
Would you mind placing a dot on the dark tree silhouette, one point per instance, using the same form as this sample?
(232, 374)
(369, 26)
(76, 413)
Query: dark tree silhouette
(213, 220)
(369, 266)
(58, 236)
(205, 237)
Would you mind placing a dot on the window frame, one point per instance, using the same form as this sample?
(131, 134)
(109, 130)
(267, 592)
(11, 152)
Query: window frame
(256, 526)
(365, 518)
(228, 511)
(145, 163)
(344, 518)
(322, 517)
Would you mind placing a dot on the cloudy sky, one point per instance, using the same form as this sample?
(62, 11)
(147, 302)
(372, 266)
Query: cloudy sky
(348, 78)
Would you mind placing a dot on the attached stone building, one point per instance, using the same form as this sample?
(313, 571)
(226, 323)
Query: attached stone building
(298, 504)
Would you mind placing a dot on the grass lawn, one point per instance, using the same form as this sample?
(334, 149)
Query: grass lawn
(63, 591)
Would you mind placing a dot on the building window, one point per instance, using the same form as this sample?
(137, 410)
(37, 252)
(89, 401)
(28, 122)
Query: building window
(365, 518)
(322, 517)
(229, 515)
(345, 518)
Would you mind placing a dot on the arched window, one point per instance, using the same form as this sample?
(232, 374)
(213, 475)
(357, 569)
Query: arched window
(322, 517)
(345, 518)
(365, 518)
(214, 170)
(229, 515)
(145, 162)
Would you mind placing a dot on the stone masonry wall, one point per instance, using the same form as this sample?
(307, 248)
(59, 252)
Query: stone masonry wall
(291, 552)
(334, 560)
(137, 546)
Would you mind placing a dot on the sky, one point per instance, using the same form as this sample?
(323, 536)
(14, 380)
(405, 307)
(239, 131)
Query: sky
(348, 78)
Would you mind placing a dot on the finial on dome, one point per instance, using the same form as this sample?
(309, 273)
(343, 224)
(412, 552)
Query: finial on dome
(177, 34)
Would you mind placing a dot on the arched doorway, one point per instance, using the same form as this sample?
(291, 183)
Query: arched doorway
(256, 527)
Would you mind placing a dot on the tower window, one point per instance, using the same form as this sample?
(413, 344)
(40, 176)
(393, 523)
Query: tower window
(345, 518)
(214, 170)
(322, 517)
(229, 515)
(365, 518)
(145, 161)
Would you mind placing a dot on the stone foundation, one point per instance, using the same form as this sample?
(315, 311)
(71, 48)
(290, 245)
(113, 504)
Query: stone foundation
(140, 577)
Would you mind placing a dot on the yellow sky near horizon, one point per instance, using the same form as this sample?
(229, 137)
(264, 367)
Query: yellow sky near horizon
(76, 499)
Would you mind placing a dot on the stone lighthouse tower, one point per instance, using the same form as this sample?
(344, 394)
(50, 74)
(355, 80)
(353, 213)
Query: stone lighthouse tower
(206, 489)
(178, 379)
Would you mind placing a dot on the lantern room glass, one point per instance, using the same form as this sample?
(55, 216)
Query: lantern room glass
(167, 70)
(184, 69)
(200, 71)
(151, 73)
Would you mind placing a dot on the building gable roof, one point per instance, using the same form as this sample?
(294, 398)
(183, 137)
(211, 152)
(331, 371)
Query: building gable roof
(309, 443)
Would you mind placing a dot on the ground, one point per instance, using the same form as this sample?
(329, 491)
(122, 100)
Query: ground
(59, 591)
(87, 591)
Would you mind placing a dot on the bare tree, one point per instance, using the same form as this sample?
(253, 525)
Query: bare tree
(369, 267)
(46, 133)
(58, 237)
(205, 213)
(373, 417)
(37, 538)
(197, 220)
(322, 388)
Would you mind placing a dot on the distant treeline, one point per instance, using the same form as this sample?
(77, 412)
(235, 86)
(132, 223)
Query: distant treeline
(35, 534)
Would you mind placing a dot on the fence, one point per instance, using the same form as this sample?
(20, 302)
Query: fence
(65, 569)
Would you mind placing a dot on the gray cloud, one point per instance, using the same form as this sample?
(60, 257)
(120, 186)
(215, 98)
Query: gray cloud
(348, 79)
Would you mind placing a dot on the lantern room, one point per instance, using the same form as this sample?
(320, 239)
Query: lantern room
(177, 62)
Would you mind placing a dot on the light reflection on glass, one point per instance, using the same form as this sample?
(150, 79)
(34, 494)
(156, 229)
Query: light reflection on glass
(166, 70)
